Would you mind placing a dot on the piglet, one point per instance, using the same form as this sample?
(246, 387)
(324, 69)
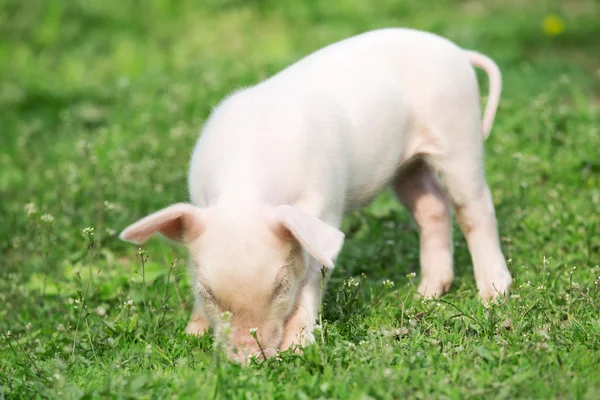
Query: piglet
(278, 164)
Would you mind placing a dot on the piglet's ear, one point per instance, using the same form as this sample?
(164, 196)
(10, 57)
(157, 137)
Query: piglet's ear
(181, 222)
(321, 240)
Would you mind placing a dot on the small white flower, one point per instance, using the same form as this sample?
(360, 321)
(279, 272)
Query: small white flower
(8, 333)
(30, 208)
(572, 270)
(388, 284)
(352, 282)
(226, 316)
(253, 331)
(411, 275)
(28, 325)
(541, 287)
(402, 331)
(111, 206)
(101, 311)
(47, 218)
(89, 232)
(60, 327)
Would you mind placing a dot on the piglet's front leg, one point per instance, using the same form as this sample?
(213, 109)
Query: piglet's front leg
(198, 324)
(298, 330)
(299, 327)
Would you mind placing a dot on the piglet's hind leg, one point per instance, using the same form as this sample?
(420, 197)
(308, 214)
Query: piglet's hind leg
(463, 175)
(418, 188)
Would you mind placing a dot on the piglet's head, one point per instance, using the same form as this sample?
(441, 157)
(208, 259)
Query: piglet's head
(250, 264)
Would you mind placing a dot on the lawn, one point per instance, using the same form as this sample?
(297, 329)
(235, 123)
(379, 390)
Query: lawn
(100, 105)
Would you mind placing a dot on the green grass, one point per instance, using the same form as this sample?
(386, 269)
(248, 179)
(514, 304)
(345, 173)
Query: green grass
(100, 105)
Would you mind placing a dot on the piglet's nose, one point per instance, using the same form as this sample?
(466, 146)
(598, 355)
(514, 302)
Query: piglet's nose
(244, 355)
(244, 346)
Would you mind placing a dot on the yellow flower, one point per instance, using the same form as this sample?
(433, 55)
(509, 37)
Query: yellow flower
(553, 25)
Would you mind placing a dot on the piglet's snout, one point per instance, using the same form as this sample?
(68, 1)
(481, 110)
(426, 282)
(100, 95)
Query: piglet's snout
(243, 348)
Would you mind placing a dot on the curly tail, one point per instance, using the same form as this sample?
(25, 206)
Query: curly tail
(495, 78)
